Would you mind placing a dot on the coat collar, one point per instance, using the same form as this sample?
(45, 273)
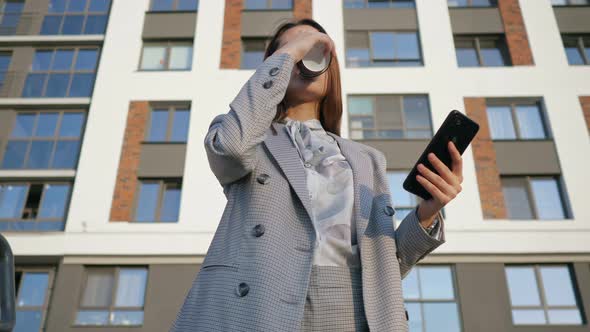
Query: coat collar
(285, 153)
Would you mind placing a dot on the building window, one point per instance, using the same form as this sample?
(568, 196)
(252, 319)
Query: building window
(570, 2)
(5, 58)
(75, 17)
(42, 140)
(472, 3)
(389, 117)
(32, 294)
(577, 49)
(543, 294)
(10, 16)
(482, 51)
(67, 72)
(268, 4)
(404, 201)
(379, 4)
(516, 121)
(253, 52)
(113, 296)
(431, 300)
(382, 48)
(174, 5)
(168, 124)
(170, 55)
(158, 200)
(33, 206)
(533, 197)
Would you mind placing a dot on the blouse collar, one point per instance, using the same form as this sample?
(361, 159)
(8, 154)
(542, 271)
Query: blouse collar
(313, 123)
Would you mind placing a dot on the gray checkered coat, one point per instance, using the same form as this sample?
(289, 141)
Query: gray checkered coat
(256, 273)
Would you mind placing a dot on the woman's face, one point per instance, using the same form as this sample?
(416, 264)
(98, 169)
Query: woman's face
(302, 90)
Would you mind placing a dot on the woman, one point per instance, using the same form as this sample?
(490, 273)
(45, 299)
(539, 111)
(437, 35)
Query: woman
(306, 240)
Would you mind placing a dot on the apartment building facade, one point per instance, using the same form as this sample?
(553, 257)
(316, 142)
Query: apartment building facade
(108, 202)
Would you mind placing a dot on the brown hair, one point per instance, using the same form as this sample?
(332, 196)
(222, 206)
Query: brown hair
(331, 104)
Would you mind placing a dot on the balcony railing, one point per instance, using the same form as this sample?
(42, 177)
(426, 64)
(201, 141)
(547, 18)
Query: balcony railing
(7, 290)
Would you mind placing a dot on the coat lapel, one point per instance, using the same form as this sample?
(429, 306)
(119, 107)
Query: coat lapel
(285, 153)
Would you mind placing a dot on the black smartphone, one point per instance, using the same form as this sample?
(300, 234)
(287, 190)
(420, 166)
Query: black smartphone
(458, 128)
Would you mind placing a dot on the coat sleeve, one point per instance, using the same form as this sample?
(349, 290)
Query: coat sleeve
(232, 138)
(413, 242)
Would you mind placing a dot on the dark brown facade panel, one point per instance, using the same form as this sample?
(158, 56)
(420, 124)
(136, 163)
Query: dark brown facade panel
(231, 44)
(486, 167)
(476, 20)
(527, 157)
(162, 160)
(516, 35)
(400, 154)
(383, 19)
(169, 25)
(263, 23)
(574, 19)
(585, 101)
(125, 187)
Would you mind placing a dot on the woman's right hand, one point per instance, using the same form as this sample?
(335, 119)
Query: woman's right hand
(304, 41)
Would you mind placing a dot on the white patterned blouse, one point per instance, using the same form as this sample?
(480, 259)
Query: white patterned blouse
(330, 185)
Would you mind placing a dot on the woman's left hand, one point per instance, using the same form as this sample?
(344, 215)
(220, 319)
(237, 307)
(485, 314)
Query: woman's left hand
(443, 188)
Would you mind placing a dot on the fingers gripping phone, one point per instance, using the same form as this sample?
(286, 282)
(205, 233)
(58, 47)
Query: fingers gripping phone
(458, 128)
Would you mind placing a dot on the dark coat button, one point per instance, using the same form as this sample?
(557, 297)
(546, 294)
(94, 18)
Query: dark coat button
(267, 84)
(258, 230)
(274, 71)
(389, 210)
(263, 178)
(243, 289)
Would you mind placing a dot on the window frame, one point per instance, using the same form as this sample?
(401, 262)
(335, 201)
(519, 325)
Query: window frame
(50, 280)
(163, 185)
(55, 139)
(38, 207)
(476, 40)
(168, 44)
(568, 3)
(541, 292)
(174, 7)
(580, 45)
(390, 3)
(171, 109)
(403, 117)
(494, 4)
(114, 270)
(515, 122)
(86, 13)
(455, 284)
(72, 71)
(530, 193)
(269, 7)
(245, 40)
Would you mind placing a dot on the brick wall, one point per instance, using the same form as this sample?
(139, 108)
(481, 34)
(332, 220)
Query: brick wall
(124, 195)
(488, 177)
(585, 101)
(302, 9)
(232, 26)
(516, 36)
